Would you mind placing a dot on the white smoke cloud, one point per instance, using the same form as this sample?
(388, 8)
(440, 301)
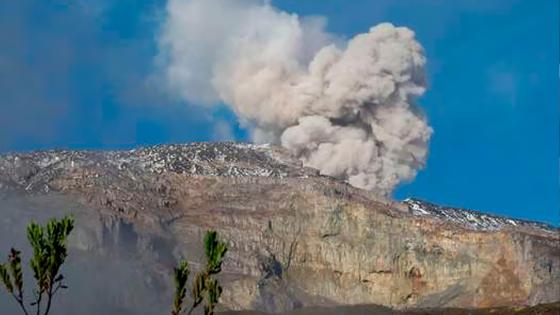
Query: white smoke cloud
(346, 108)
(222, 131)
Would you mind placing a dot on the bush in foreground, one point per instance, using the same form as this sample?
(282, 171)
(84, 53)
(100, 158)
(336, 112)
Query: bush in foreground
(49, 245)
(204, 286)
(49, 253)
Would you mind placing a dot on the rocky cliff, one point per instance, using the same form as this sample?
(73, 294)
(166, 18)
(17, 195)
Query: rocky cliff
(296, 238)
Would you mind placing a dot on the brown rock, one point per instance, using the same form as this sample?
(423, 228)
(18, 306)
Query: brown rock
(297, 238)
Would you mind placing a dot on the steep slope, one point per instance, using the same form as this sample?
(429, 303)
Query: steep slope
(296, 238)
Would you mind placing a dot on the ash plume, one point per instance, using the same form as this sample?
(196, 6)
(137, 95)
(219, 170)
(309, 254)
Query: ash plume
(345, 107)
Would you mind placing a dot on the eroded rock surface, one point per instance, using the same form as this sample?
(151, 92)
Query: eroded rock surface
(296, 238)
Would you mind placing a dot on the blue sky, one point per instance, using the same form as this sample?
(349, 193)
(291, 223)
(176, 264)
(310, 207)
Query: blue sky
(76, 74)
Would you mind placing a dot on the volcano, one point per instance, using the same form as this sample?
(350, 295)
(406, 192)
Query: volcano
(297, 238)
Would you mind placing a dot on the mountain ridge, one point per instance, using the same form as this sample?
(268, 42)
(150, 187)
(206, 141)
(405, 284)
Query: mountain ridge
(179, 158)
(297, 238)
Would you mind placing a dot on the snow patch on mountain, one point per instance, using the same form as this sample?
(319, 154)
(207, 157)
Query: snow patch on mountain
(471, 219)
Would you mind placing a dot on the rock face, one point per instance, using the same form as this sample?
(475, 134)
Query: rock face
(296, 238)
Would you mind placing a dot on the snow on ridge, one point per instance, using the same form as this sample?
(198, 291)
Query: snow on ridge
(36, 169)
(472, 219)
(207, 159)
(214, 159)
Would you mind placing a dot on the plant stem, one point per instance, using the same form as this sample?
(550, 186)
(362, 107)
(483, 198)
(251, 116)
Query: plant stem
(21, 305)
(194, 305)
(39, 303)
(49, 298)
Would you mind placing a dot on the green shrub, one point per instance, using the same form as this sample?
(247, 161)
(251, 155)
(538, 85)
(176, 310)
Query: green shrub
(49, 253)
(204, 287)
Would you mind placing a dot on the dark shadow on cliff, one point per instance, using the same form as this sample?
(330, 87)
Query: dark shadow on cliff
(114, 269)
(111, 269)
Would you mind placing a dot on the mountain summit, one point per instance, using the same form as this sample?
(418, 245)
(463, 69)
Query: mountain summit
(297, 238)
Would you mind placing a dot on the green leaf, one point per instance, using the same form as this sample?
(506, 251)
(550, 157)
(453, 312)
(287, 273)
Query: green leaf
(49, 250)
(5, 278)
(35, 235)
(14, 260)
(197, 290)
(181, 276)
(214, 291)
(215, 252)
(204, 286)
